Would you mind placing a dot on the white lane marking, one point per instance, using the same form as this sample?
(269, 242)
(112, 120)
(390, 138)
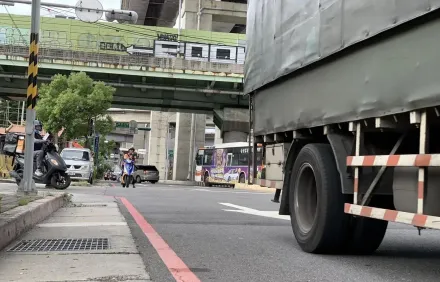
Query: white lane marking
(238, 207)
(231, 192)
(245, 210)
(81, 224)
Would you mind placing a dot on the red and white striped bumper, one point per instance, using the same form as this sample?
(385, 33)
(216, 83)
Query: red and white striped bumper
(395, 160)
(419, 220)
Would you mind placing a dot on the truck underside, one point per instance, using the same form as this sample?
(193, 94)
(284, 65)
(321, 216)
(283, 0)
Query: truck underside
(363, 131)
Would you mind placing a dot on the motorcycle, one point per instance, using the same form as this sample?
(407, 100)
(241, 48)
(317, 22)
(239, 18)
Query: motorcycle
(54, 168)
(107, 175)
(127, 176)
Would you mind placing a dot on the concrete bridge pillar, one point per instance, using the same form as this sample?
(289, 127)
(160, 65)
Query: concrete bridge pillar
(202, 17)
(157, 148)
(233, 124)
(218, 139)
(187, 143)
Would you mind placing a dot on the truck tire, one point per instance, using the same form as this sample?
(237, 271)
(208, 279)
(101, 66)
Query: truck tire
(366, 234)
(318, 228)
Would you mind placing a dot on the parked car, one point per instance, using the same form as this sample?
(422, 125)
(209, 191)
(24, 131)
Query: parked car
(79, 163)
(146, 173)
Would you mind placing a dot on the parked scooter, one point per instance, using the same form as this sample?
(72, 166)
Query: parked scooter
(54, 167)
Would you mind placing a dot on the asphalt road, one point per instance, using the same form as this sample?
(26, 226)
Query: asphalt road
(219, 245)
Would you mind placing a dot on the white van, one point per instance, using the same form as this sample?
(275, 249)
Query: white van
(79, 163)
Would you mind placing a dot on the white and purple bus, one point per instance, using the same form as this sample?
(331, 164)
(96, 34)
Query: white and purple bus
(226, 163)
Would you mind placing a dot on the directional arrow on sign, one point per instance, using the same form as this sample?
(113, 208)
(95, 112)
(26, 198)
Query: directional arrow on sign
(245, 210)
(135, 49)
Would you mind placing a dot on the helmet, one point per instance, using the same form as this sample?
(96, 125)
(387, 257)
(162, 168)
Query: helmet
(38, 126)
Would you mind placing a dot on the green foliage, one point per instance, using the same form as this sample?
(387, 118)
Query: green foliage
(67, 198)
(100, 170)
(24, 201)
(105, 149)
(70, 102)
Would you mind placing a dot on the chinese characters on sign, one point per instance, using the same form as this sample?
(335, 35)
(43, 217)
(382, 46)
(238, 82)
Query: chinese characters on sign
(110, 46)
(167, 46)
(122, 124)
(167, 37)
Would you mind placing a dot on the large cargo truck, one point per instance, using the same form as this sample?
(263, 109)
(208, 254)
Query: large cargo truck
(353, 86)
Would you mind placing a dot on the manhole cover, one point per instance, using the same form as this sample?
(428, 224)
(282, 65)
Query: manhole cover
(57, 245)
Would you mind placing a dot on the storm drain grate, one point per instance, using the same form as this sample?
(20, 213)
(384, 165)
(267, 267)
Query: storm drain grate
(58, 245)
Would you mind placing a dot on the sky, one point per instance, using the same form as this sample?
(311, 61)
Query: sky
(20, 9)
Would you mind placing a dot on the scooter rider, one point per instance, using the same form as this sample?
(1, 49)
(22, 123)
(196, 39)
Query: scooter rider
(130, 155)
(39, 147)
(126, 156)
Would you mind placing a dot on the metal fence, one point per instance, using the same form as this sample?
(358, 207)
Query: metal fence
(50, 55)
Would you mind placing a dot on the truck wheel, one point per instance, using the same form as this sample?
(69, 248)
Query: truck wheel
(366, 234)
(316, 201)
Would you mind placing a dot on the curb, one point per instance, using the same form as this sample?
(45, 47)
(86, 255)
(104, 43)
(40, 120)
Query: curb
(242, 186)
(177, 182)
(214, 185)
(5, 180)
(15, 222)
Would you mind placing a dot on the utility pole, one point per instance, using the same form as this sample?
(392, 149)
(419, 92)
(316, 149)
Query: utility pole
(251, 153)
(192, 135)
(27, 185)
(179, 20)
(179, 27)
(22, 113)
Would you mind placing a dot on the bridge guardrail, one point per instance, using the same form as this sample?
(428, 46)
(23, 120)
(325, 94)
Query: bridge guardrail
(50, 55)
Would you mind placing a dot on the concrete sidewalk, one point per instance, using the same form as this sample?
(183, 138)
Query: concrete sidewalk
(93, 243)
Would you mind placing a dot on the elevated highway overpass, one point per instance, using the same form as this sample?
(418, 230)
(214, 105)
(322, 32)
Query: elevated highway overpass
(219, 15)
(151, 70)
(158, 80)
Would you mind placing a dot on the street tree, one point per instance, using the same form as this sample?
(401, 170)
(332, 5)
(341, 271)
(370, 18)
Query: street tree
(70, 102)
